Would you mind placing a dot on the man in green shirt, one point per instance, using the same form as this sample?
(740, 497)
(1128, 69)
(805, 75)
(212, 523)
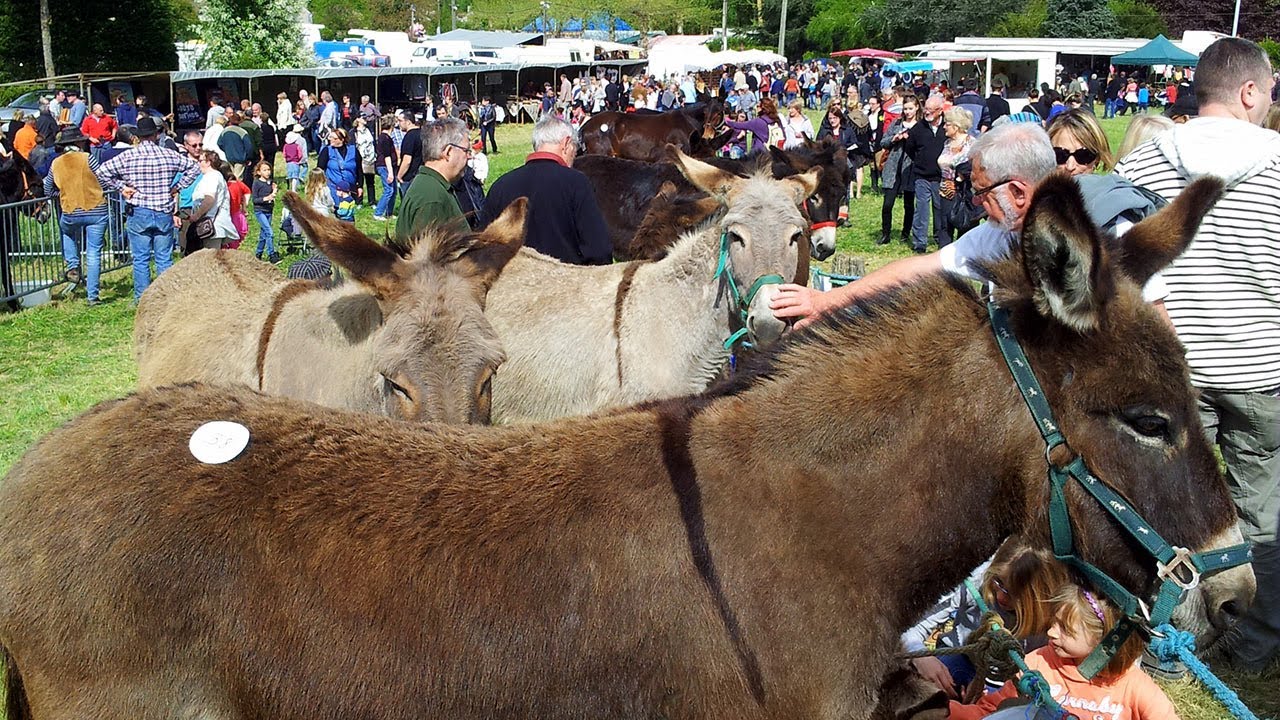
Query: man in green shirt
(427, 201)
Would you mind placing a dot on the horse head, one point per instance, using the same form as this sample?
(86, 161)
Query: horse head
(760, 230)
(1076, 308)
(435, 353)
(823, 206)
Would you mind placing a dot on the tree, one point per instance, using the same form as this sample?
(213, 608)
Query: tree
(1258, 18)
(241, 34)
(1023, 23)
(1137, 19)
(151, 26)
(838, 25)
(1080, 19)
(46, 38)
(907, 22)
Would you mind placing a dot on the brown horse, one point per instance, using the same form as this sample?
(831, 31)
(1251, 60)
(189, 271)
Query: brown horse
(407, 339)
(644, 136)
(751, 553)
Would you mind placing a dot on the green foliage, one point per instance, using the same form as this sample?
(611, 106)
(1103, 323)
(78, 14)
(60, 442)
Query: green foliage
(1273, 50)
(1080, 19)
(1137, 19)
(240, 34)
(89, 36)
(1023, 23)
(907, 22)
(12, 92)
(837, 25)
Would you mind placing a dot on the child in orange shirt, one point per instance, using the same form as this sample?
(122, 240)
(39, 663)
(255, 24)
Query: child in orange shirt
(1122, 691)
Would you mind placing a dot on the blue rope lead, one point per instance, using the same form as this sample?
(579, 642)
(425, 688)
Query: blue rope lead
(1169, 644)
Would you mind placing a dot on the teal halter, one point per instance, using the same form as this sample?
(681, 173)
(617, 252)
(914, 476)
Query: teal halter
(1177, 568)
(743, 303)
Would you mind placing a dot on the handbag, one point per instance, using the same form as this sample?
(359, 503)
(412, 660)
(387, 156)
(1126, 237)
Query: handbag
(963, 216)
(204, 229)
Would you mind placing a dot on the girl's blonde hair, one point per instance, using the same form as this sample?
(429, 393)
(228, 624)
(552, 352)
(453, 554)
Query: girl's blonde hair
(1031, 577)
(1141, 129)
(1072, 608)
(796, 104)
(315, 185)
(1084, 127)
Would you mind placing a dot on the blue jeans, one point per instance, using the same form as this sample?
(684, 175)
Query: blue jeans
(928, 195)
(386, 203)
(1109, 109)
(95, 230)
(266, 236)
(150, 236)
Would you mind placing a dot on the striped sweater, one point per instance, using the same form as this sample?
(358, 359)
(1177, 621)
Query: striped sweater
(1224, 292)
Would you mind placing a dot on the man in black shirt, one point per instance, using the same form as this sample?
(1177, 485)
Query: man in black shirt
(564, 220)
(997, 106)
(924, 144)
(410, 150)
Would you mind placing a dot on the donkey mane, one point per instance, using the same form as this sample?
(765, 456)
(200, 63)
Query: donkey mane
(865, 324)
(435, 243)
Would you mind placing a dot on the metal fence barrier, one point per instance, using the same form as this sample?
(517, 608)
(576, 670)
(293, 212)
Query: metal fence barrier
(31, 246)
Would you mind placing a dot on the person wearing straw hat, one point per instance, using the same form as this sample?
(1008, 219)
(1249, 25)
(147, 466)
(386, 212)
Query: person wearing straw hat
(73, 181)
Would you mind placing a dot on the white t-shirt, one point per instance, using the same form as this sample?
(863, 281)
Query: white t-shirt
(989, 242)
(795, 130)
(212, 184)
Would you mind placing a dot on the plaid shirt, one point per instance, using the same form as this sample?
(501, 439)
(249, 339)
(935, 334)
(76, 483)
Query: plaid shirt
(150, 170)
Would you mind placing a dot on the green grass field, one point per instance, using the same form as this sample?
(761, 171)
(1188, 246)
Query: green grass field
(59, 359)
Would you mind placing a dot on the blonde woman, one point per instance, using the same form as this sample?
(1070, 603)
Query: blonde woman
(956, 123)
(796, 129)
(1141, 129)
(1079, 144)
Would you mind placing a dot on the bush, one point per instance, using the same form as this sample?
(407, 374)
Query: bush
(11, 93)
(1273, 50)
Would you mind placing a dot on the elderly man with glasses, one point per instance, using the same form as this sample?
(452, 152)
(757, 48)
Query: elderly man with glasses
(1008, 162)
(427, 200)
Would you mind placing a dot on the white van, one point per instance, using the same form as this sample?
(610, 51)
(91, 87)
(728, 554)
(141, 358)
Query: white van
(434, 53)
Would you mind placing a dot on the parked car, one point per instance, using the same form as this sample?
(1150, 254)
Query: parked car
(28, 103)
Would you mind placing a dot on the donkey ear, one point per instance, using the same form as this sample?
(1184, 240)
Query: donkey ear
(1155, 242)
(493, 248)
(1063, 257)
(802, 186)
(368, 262)
(707, 178)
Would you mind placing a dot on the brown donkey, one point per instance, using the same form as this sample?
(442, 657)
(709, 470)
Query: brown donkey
(408, 339)
(750, 553)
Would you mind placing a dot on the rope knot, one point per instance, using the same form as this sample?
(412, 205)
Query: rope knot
(1169, 644)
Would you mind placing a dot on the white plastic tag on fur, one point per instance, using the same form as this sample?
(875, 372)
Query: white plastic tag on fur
(604, 127)
(220, 441)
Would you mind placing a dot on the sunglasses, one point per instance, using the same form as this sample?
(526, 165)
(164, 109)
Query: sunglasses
(465, 150)
(1083, 156)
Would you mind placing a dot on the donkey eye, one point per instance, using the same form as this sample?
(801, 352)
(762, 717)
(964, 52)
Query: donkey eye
(815, 199)
(736, 238)
(797, 238)
(392, 387)
(1146, 423)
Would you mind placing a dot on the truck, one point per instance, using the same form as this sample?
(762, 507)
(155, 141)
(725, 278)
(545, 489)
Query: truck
(434, 53)
(354, 49)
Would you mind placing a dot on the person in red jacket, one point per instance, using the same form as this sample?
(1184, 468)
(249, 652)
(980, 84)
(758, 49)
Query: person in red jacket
(99, 127)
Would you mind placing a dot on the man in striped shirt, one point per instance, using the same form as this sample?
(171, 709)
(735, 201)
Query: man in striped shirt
(145, 176)
(1224, 300)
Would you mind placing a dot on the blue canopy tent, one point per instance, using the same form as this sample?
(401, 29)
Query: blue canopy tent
(910, 66)
(597, 22)
(1157, 52)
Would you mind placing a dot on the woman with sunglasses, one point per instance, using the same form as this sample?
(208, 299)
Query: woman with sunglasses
(1079, 145)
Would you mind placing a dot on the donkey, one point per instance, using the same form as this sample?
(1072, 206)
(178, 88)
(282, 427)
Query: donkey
(408, 339)
(750, 553)
(644, 136)
(632, 186)
(581, 339)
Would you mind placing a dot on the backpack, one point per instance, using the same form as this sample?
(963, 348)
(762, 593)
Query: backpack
(777, 138)
(346, 209)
